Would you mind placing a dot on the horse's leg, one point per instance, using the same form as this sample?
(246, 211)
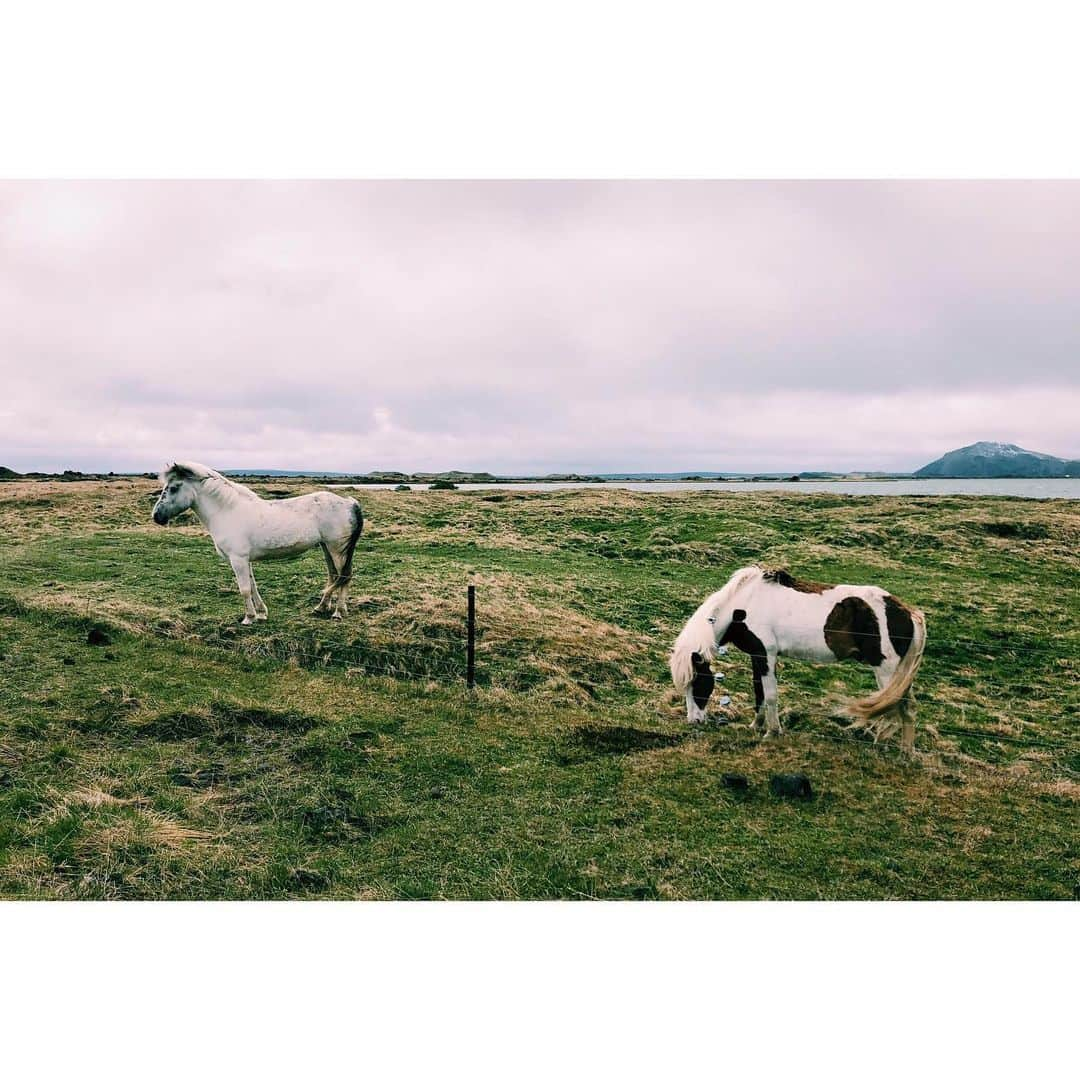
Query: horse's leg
(260, 606)
(323, 606)
(338, 591)
(760, 665)
(772, 709)
(342, 608)
(333, 599)
(242, 569)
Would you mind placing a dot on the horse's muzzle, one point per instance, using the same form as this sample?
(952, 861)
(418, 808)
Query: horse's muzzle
(160, 518)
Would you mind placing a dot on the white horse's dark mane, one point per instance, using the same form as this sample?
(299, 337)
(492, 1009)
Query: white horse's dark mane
(215, 483)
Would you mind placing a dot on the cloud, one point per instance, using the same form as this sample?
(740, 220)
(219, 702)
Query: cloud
(535, 326)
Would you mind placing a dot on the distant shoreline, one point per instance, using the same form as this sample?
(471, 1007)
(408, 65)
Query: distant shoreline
(383, 479)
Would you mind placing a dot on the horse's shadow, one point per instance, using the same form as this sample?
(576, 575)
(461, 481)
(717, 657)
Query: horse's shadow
(594, 740)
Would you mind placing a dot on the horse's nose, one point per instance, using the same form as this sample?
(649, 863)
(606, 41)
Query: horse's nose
(159, 517)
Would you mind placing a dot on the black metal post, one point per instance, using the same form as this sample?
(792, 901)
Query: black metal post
(470, 661)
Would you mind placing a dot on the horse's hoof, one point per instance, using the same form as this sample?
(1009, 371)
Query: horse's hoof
(335, 615)
(260, 616)
(246, 621)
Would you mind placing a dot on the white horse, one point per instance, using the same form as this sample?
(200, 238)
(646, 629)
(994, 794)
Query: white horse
(245, 527)
(768, 613)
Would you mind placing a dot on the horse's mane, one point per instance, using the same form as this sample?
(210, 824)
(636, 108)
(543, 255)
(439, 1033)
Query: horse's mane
(700, 632)
(222, 487)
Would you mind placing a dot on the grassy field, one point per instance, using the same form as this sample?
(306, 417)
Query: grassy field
(185, 757)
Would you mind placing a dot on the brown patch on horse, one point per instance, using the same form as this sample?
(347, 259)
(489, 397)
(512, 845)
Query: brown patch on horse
(900, 626)
(745, 640)
(782, 577)
(852, 632)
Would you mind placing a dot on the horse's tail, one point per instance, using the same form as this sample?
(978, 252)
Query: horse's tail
(345, 574)
(866, 709)
(700, 634)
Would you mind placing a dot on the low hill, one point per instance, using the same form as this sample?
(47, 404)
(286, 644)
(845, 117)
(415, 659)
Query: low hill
(995, 459)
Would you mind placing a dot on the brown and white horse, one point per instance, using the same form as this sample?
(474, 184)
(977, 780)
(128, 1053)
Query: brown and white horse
(768, 613)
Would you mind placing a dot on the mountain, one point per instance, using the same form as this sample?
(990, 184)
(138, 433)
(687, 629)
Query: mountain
(994, 459)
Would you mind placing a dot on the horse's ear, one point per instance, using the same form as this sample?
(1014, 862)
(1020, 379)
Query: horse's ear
(181, 472)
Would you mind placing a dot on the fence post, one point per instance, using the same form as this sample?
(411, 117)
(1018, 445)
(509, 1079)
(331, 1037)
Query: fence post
(470, 656)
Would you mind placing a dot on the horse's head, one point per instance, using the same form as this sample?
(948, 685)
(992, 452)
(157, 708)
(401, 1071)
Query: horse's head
(700, 689)
(177, 493)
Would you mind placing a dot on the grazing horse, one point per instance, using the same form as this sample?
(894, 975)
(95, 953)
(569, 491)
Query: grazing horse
(768, 613)
(245, 527)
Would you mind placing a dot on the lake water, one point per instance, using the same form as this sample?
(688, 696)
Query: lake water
(1025, 489)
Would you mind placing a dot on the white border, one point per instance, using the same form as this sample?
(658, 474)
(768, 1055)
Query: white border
(561, 89)
(529, 90)
(538, 989)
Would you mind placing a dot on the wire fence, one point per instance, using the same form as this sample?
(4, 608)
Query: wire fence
(455, 663)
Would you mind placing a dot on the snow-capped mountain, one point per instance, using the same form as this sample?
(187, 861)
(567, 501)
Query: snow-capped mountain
(996, 459)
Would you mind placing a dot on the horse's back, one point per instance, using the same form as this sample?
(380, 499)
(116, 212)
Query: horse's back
(320, 504)
(288, 527)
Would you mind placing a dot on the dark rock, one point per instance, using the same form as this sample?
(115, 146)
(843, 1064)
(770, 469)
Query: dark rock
(97, 636)
(791, 786)
(735, 781)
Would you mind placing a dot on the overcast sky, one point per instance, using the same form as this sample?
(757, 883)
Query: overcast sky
(520, 326)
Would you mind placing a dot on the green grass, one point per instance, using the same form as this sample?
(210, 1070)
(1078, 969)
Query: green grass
(189, 757)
